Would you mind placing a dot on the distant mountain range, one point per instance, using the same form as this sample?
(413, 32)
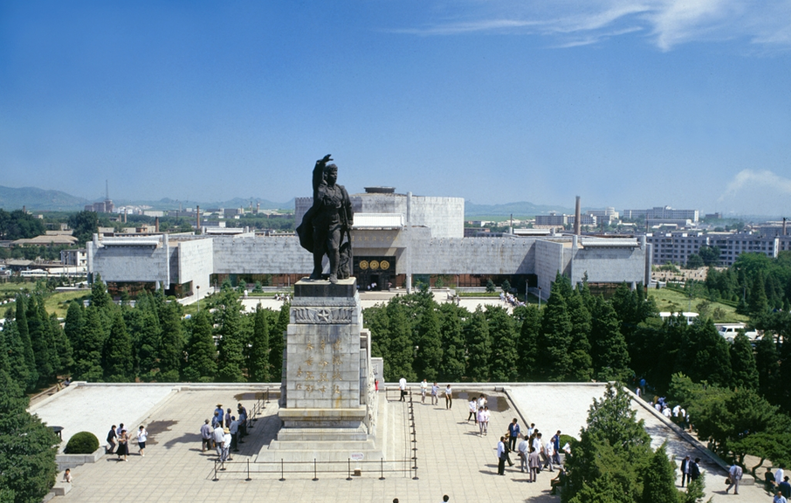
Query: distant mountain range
(35, 199)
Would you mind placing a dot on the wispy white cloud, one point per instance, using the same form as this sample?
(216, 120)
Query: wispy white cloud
(749, 180)
(667, 23)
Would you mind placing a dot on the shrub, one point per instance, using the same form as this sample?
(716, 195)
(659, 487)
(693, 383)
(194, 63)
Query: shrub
(83, 442)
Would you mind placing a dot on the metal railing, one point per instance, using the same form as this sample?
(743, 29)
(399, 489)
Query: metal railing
(257, 409)
(315, 467)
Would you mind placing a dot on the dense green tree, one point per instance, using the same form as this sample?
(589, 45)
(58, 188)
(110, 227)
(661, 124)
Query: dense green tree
(580, 348)
(88, 353)
(527, 346)
(13, 347)
(117, 359)
(171, 347)
(99, 296)
(659, 480)
(429, 345)
(146, 333)
(201, 350)
(613, 441)
(401, 346)
(479, 346)
(75, 317)
(27, 447)
(276, 341)
(63, 351)
(454, 361)
(694, 261)
(258, 361)
(230, 364)
(604, 489)
(744, 372)
(555, 339)
(710, 255)
(610, 354)
(758, 303)
(18, 224)
(42, 341)
(84, 224)
(24, 336)
(704, 354)
(767, 362)
(378, 322)
(504, 362)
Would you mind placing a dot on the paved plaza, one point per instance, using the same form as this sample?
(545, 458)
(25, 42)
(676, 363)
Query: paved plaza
(452, 458)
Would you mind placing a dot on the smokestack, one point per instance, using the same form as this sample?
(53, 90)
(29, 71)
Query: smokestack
(577, 219)
(156, 224)
(126, 211)
(197, 212)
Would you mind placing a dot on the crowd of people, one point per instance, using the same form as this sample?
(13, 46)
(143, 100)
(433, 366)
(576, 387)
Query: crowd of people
(224, 432)
(511, 299)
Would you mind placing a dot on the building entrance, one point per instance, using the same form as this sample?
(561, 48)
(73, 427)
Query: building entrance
(375, 273)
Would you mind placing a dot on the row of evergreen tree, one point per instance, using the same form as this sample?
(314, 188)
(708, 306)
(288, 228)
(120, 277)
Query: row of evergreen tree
(151, 341)
(756, 282)
(576, 337)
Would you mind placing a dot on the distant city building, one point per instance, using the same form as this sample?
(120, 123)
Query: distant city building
(676, 247)
(662, 213)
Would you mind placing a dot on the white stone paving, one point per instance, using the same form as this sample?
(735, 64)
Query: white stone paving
(97, 408)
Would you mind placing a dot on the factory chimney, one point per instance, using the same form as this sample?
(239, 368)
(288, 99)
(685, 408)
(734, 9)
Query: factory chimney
(156, 225)
(197, 212)
(577, 219)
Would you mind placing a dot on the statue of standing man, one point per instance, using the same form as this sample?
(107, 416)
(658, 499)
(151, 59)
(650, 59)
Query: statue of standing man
(327, 222)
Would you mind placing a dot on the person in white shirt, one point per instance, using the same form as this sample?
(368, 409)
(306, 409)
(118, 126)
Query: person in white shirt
(142, 436)
(486, 416)
(218, 440)
(402, 387)
(666, 412)
(549, 452)
(448, 397)
(434, 393)
(481, 420)
(501, 456)
(226, 444)
(779, 474)
(734, 475)
(473, 410)
(522, 449)
(423, 389)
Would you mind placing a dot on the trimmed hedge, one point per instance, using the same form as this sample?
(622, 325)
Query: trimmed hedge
(83, 442)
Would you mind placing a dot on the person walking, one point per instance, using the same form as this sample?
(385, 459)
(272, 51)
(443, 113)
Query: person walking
(423, 389)
(556, 447)
(473, 410)
(779, 498)
(123, 447)
(402, 387)
(534, 463)
(481, 420)
(549, 450)
(142, 436)
(486, 416)
(206, 435)
(111, 436)
(501, 455)
(734, 476)
(448, 397)
(513, 432)
(234, 429)
(434, 393)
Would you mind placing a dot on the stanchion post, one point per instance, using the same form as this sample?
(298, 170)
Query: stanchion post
(349, 477)
(415, 477)
(382, 469)
(282, 477)
(248, 479)
(315, 477)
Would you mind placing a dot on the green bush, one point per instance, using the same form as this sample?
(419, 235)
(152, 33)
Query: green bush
(83, 442)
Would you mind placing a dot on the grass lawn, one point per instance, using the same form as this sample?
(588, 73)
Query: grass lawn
(669, 300)
(58, 303)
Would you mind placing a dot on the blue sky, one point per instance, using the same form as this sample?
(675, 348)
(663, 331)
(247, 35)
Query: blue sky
(625, 103)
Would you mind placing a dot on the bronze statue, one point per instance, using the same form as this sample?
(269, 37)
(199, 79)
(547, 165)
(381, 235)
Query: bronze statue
(327, 222)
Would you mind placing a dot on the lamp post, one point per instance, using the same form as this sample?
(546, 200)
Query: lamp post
(198, 287)
(539, 298)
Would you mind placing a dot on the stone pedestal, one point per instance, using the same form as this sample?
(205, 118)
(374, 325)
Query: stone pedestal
(327, 401)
